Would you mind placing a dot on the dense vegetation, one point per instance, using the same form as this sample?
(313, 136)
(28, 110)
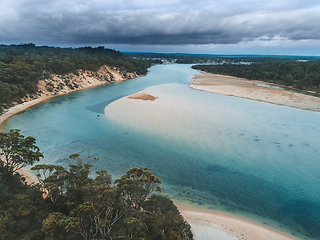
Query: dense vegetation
(69, 204)
(21, 66)
(300, 75)
(214, 58)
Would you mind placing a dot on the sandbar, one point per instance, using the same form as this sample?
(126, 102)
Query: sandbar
(142, 96)
(254, 90)
(206, 224)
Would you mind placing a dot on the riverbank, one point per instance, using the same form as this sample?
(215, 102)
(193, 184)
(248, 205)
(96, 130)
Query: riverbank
(59, 85)
(254, 90)
(204, 223)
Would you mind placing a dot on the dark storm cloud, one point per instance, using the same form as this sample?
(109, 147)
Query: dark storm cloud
(150, 22)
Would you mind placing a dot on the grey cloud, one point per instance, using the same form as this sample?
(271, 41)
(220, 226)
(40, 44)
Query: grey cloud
(166, 23)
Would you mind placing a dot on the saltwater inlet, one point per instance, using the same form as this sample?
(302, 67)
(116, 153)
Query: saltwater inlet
(256, 160)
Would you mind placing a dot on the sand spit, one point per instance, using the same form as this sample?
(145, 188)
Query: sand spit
(254, 90)
(209, 222)
(142, 96)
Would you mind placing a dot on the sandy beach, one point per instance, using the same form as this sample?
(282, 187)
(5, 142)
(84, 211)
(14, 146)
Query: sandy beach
(208, 224)
(254, 90)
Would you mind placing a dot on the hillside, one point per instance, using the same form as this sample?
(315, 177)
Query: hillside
(28, 71)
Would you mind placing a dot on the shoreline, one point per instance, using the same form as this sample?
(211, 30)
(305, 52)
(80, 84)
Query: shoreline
(253, 90)
(204, 221)
(19, 108)
(45, 96)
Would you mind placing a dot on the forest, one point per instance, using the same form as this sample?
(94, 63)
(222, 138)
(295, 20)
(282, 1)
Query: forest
(299, 75)
(217, 59)
(22, 66)
(74, 203)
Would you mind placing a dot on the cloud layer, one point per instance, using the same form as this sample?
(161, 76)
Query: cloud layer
(153, 22)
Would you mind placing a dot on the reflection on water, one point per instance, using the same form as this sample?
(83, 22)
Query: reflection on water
(226, 153)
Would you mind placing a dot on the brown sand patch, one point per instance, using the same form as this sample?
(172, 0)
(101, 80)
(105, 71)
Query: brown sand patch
(142, 96)
(31, 179)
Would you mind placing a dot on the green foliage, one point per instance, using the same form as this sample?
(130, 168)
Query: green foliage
(21, 66)
(54, 227)
(61, 185)
(300, 75)
(22, 209)
(136, 186)
(186, 58)
(102, 210)
(68, 204)
(166, 219)
(16, 151)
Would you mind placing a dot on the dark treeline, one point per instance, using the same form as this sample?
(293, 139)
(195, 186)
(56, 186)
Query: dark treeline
(21, 66)
(207, 58)
(300, 75)
(69, 204)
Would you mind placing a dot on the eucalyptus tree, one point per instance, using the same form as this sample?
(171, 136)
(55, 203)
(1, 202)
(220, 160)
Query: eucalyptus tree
(137, 185)
(17, 151)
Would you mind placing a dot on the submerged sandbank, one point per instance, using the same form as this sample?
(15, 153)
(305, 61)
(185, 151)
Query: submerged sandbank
(152, 117)
(205, 223)
(254, 90)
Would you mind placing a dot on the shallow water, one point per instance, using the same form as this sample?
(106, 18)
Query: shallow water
(253, 159)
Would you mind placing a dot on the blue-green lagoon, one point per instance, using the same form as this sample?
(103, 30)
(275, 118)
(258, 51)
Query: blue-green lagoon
(252, 159)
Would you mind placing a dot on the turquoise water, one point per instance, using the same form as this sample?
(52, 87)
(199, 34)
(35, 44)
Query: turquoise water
(252, 159)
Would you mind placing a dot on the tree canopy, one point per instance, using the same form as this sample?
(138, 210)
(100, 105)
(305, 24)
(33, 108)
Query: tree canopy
(300, 75)
(97, 209)
(68, 203)
(17, 151)
(137, 185)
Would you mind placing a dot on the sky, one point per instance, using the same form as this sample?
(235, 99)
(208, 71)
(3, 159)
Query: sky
(269, 27)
